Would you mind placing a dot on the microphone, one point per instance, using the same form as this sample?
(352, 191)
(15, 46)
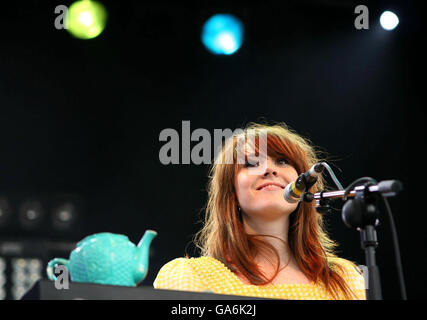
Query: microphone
(294, 190)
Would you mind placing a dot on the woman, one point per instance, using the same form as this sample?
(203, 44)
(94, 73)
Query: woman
(253, 242)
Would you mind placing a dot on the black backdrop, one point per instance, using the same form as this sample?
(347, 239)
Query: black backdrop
(84, 117)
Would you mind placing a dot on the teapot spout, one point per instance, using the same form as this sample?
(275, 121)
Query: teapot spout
(142, 255)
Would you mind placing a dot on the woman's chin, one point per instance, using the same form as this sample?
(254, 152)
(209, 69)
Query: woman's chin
(273, 211)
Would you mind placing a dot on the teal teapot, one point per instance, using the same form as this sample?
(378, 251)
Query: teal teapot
(107, 258)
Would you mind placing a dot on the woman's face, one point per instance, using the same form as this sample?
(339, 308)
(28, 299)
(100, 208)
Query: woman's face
(260, 187)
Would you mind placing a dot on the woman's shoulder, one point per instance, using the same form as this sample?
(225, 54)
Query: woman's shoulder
(176, 262)
(185, 262)
(193, 273)
(178, 274)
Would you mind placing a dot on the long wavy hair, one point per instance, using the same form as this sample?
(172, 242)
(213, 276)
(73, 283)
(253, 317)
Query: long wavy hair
(223, 236)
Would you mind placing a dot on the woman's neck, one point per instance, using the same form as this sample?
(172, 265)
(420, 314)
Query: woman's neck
(278, 229)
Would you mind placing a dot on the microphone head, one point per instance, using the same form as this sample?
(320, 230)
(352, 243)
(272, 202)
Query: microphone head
(289, 195)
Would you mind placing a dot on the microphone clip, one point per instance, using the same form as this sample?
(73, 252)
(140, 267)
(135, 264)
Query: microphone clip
(306, 181)
(322, 204)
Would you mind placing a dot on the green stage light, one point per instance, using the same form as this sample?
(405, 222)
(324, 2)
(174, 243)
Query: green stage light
(86, 19)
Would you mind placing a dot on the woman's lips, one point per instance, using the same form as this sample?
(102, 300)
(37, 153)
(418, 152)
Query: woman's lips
(271, 187)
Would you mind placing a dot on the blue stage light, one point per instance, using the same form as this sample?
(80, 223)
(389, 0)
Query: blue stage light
(222, 34)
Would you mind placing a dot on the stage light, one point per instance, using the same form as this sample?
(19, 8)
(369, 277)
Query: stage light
(25, 272)
(389, 20)
(86, 19)
(222, 34)
(31, 214)
(64, 216)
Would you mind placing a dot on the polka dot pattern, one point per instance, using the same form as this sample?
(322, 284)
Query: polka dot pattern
(209, 274)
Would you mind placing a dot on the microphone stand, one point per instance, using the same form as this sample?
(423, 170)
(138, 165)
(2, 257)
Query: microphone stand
(361, 213)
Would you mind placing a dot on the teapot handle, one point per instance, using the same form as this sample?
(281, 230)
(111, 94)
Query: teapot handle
(51, 267)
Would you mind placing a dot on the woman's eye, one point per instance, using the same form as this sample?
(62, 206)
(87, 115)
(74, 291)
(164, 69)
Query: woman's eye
(282, 161)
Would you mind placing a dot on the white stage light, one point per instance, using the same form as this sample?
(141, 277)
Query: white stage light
(389, 20)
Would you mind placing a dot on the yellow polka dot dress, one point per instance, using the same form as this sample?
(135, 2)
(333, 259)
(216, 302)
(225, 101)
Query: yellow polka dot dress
(209, 274)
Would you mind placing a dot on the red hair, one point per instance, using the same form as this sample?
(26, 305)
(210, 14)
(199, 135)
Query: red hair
(223, 236)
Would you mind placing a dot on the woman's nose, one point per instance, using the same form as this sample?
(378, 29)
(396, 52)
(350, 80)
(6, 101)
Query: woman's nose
(270, 169)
